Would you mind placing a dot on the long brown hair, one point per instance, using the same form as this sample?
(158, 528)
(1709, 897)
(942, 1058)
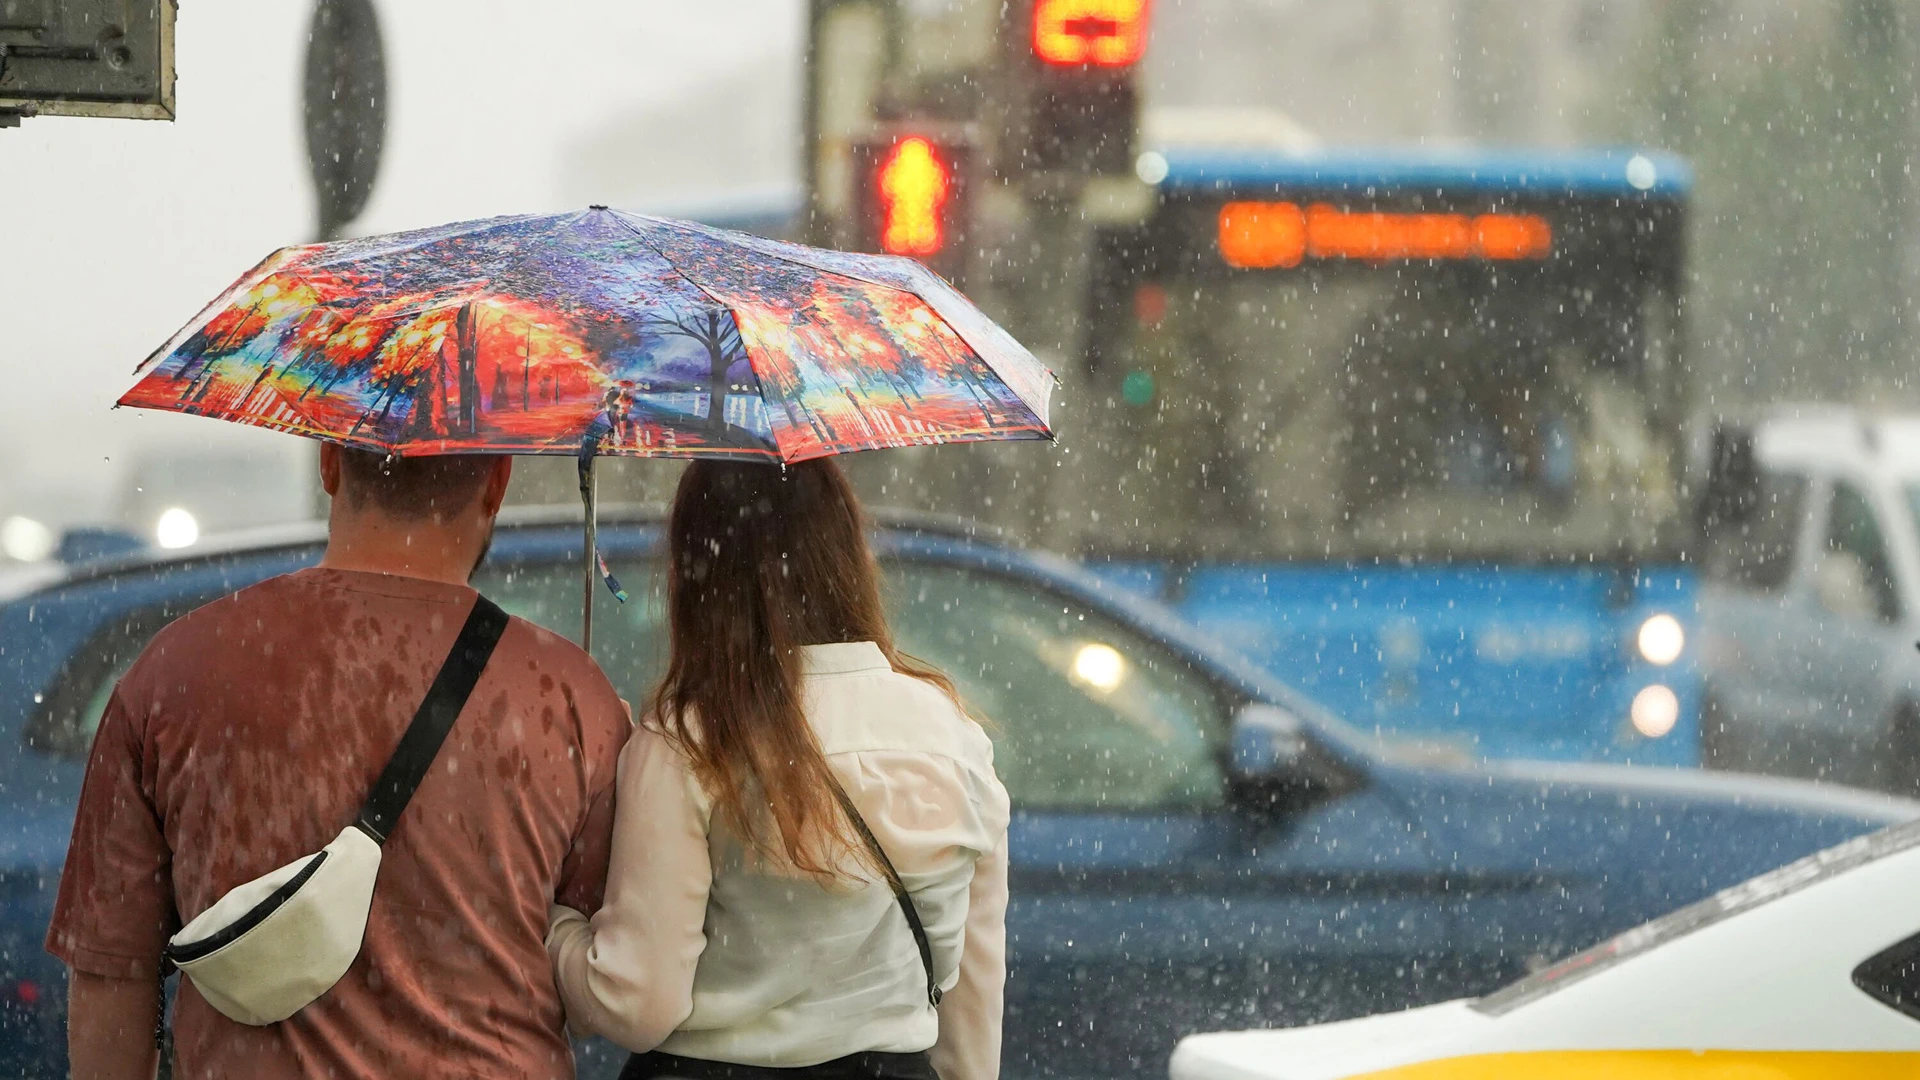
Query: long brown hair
(761, 561)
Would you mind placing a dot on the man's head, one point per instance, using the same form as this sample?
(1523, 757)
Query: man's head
(426, 517)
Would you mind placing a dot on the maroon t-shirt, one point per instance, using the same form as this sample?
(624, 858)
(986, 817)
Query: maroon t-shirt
(248, 734)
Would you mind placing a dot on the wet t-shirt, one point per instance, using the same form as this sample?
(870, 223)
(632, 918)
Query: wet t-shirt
(248, 734)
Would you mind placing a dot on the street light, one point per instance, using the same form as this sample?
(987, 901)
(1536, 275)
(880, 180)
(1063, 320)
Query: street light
(177, 528)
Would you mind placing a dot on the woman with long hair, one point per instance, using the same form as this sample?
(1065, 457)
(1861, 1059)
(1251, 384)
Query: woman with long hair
(809, 868)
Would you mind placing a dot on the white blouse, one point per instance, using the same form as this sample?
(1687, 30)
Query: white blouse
(701, 952)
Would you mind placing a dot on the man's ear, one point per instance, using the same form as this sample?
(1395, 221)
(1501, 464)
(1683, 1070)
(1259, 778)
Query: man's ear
(498, 478)
(330, 469)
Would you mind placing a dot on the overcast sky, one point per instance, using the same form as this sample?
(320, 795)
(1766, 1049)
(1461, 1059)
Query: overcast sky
(117, 231)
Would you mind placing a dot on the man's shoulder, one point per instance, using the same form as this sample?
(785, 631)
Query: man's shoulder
(575, 675)
(241, 607)
(196, 639)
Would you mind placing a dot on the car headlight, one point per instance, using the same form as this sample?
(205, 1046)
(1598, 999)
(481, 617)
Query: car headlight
(1661, 639)
(1654, 711)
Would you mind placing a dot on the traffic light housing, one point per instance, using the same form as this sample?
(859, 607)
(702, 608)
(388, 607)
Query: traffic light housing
(1089, 33)
(1075, 63)
(912, 196)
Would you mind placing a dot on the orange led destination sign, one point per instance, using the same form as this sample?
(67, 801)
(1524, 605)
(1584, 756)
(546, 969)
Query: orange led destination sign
(1103, 33)
(1263, 235)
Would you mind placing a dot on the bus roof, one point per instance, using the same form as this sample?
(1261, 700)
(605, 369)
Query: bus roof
(1579, 173)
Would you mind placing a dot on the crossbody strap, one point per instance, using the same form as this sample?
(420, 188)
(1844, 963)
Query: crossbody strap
(441, 707)
(899, 888)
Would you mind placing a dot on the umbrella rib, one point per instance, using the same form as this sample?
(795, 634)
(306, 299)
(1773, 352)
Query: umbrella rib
(772, 252)
(419, 237)
(677, 272)
(796, 262)
(207, 313)
(722, 304)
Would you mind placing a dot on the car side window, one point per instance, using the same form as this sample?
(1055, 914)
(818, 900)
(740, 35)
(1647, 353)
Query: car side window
(1856, 559)
(628, 643)
(1085, 713)
(70, 710)
(1892, 976)
(629, 640)
(1755, 551)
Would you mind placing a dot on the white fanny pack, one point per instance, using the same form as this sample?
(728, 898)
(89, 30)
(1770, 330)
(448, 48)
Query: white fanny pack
(272, 946)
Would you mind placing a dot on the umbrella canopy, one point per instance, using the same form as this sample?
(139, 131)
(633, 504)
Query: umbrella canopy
(599, 332)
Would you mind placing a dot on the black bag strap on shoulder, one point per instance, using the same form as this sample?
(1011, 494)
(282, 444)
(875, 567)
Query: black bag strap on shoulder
(899, 889)
(441, 707)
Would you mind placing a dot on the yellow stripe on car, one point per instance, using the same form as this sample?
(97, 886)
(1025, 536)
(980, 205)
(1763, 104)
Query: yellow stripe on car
(1663, 1065)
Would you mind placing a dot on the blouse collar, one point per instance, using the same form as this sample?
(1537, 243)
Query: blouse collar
(842, 658)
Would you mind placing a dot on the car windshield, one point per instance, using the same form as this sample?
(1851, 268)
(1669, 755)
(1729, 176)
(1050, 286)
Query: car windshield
(1746, 896)
(1433, 408)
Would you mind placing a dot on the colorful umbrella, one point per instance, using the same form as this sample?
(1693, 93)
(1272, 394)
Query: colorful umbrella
(594, 333)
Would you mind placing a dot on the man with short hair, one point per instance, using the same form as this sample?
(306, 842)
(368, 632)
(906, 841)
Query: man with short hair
(250, 731)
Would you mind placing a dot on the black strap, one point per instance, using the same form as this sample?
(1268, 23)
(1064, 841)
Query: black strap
(445, 698)
(899, 889)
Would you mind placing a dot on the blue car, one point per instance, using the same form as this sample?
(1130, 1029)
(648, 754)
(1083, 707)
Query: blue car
(1195, 846)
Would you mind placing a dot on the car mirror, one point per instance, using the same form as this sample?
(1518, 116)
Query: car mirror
(1268, 742)
(1840, 584)
(1275, 766)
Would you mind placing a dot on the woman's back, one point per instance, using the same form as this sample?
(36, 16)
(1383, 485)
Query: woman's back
(745, 922)
(799, 970)
(708, 950)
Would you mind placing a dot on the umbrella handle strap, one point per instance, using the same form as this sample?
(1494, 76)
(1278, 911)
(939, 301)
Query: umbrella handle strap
(586, 503)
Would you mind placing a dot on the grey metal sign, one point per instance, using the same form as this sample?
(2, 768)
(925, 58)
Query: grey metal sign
(346, 109)
(86, 58)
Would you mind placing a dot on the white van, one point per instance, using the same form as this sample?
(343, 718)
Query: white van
(1810, 607)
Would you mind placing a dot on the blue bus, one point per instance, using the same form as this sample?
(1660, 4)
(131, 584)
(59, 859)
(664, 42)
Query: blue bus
(1407, 428)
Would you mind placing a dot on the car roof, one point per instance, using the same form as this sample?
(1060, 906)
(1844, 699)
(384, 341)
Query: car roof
(302, 534)
(19, 579)
(539, 531)
(1838, 436)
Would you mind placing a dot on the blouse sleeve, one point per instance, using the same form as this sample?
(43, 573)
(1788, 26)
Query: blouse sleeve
(628, 972)
(970, 1013)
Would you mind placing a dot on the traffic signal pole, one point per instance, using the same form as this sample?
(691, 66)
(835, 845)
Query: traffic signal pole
(1065, 109)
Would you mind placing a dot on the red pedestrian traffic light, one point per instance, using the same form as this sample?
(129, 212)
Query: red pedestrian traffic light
(912, 190)
(1099, 33)
(915, 183)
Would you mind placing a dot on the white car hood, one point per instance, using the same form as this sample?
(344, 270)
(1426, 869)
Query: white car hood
(1328, 1051)
(1765, 968)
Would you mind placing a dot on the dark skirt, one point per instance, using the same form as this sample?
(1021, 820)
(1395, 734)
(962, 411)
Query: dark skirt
(870, 1065)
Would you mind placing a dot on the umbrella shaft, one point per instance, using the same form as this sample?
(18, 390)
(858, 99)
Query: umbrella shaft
(587, 565)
